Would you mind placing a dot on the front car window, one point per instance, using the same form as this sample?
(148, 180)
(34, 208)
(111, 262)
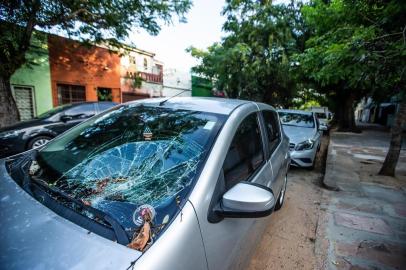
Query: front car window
(321, 115)
(272, 129)
(132, 156)
(296, 119)
(245, 154)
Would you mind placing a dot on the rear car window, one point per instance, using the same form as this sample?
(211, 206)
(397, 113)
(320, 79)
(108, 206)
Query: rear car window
(81, 111)
(297, 119)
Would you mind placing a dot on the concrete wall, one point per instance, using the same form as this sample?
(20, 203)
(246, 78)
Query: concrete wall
(177, 82)
(75, 64)
(132, 62)
(37, 76)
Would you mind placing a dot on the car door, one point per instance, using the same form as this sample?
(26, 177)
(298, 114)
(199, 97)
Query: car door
(229, 242)
(318, 135)
(278, 156)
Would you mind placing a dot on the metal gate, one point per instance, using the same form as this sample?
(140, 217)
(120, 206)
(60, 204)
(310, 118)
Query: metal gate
(24, 97)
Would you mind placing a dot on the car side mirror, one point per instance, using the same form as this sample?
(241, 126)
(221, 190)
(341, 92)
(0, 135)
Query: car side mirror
(246, 200)
(65, 118)
(323, 128)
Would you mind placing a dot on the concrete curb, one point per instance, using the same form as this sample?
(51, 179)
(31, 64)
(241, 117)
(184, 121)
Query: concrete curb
(330, 160)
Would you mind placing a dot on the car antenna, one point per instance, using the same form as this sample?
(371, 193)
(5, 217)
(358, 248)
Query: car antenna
(165, 100)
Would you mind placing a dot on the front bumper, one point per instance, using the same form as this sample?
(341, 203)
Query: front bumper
(303, 158)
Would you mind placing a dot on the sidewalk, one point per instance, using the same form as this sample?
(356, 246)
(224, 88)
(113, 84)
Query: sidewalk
(363, 226)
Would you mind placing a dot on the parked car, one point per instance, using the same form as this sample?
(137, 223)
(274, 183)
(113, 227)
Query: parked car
(184, 183)
(324, 116)
(40, 130)
(304, 133)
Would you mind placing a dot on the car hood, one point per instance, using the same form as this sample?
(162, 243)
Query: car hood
(23, 124)
(34, 237)
(299, 134)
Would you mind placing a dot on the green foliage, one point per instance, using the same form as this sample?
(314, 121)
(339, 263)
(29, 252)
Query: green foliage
(307, 105)
(94, 21)
(308, 97)
(254, 61)
(356, 46)
(104, 94)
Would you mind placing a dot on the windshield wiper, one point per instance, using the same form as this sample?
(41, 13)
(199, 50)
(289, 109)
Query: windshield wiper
(119, 231)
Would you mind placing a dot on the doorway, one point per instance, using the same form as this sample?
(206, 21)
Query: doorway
(24, 98)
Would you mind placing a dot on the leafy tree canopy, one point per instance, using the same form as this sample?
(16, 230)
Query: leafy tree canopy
(359, 46)
(90, 20)
(253, 60)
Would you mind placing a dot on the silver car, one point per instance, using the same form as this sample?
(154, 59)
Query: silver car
(182, 183)
(303, 130)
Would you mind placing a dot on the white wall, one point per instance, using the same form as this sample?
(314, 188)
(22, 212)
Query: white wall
(176, 81)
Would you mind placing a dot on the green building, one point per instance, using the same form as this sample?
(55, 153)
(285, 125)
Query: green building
(31, 84)
(201, 87)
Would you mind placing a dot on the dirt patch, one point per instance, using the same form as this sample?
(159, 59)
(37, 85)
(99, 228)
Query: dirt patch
(289, 240)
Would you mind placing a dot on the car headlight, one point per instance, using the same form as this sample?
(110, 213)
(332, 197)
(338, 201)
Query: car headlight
(306, 145)
(9, 134)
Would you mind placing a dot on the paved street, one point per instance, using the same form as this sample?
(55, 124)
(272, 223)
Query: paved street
(362, 226)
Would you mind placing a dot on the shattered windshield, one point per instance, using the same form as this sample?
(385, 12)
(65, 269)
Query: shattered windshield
(296, 119)
(131, 157)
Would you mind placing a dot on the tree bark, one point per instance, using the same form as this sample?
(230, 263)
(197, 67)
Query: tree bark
(8, 110)
(391, 160)
(345, 112)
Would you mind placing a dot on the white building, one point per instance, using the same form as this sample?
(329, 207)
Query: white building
(177, 82)
(141, 74)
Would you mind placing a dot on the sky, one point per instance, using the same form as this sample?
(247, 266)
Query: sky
(202, 29)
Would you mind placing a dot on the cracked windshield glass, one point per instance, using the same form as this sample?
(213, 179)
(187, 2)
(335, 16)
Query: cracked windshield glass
(131, 157)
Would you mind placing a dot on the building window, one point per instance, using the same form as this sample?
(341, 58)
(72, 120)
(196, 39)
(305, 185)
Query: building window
(71, 93)
(104, 94)
(159, 69)
(145, 63)
(24, 97)
(132, 60)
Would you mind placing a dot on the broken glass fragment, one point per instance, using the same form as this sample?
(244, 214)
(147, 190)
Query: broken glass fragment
(132, 156)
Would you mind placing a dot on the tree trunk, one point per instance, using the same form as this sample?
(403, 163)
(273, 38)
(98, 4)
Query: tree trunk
(345, 112)
(391, 160)
(8, 110)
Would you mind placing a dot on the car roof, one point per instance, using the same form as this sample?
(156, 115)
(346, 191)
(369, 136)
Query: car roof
(296, 111)
(203, 104)
(90, 102)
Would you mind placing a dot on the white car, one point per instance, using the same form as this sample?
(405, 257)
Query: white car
(304, 132)
(324, 116)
